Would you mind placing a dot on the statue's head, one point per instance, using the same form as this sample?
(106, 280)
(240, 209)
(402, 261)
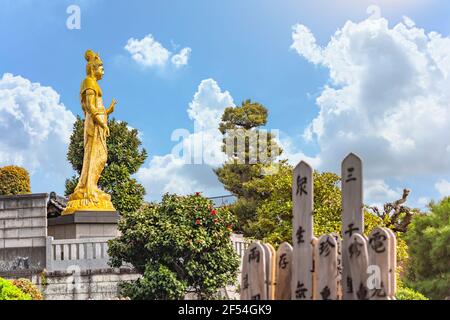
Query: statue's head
(94, 66)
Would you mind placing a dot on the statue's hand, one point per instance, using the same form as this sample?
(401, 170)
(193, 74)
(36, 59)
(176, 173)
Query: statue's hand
(106, 131)
(111, 106)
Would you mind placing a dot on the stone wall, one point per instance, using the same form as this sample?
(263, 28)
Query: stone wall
(100, 284)
(23, 232)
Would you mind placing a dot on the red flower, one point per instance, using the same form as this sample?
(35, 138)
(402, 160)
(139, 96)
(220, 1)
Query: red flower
(213, 212)
(215, 220)
(197, 194)
(198, 222)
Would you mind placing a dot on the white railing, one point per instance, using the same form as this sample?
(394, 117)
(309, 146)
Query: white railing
(240, 244)
(92, 253)
(84, 254)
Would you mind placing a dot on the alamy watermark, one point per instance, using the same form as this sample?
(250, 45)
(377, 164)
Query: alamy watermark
(74, 281)
(73, 22)
(374, 11)
(241, 146)
(374, 280)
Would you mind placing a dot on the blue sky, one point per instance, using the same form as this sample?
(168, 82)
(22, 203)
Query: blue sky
(238, 50)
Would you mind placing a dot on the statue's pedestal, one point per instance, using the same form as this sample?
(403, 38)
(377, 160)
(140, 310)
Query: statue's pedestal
(84, 224)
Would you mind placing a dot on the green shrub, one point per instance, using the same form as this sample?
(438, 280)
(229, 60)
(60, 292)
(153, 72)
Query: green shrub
(404, 293)
(428, 239)
(181, 245)
(14, 180)
(8, 291)
(29, 288)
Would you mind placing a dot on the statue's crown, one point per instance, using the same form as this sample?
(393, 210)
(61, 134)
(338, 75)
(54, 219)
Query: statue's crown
(92, 57)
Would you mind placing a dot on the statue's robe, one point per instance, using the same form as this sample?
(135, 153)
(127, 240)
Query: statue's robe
(95, 149)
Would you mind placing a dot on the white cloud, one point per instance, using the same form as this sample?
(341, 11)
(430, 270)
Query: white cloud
(148, 52)
(171, 174)
(305, 44)
(181, 59)
(293, 155)
(377, 193)
(443, 187)
(423, 202)
(193, 171)
(208, 104)
(34, 127)
(387, 98)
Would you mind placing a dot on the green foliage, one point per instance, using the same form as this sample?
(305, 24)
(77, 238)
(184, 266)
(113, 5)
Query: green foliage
(27, 287)
(402, 254)
(246, 164)
(180, 245)
(273, 217)
(124, 159)
(14, 180)
(248, 116)
(404, 293)
(158, 282)
(8, 291)
(44, 280)
(428, 239)
(241, 123)
(371, 222)
(234, 175)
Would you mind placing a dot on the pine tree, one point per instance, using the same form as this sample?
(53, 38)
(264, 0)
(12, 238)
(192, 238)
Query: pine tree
(251, 152)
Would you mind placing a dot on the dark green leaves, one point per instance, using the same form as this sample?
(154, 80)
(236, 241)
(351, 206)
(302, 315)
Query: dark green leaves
(175, 253)
(428, 239)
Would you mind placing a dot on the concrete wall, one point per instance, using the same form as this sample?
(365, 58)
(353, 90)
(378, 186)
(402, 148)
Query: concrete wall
(101, 284)
(23, 232)
(84, 224)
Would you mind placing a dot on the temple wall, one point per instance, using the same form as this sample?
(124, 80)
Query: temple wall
(23, 232)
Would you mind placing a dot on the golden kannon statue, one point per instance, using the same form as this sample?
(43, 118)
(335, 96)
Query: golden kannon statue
(87, 196)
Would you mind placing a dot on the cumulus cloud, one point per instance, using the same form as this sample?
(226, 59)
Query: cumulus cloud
(148, 52)
(377, 192)
(387, 97)
(34, 127)
(305, 44)
(181, 59)
(443, 187)
(293, 154)
(189, 168)
(208, 104)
